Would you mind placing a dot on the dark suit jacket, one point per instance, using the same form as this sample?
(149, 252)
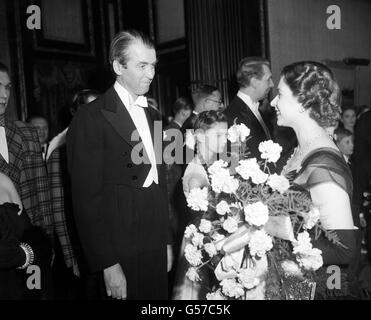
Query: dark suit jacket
(240, 112)
(361, 162)
(107, 184)
(189, 123)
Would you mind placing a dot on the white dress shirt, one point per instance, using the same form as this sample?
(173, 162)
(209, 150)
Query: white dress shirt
(137, 114)
(254, 107)
(4, 145)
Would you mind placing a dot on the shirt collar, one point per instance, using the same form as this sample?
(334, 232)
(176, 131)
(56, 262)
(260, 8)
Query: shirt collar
(246, 98)
(177, 123)
(126, 98)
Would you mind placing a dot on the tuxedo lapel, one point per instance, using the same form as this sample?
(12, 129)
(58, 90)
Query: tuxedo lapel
(117, 115)
(150, 121)
(251, 119)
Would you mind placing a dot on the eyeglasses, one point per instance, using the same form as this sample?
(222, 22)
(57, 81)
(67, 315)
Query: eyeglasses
(219, 102)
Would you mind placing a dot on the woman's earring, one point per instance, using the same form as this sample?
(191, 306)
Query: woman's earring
(301, 110)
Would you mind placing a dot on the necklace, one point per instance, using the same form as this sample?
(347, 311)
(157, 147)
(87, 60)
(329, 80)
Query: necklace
(296, 158)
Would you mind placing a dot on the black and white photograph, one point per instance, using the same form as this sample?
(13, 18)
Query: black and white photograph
(162, 151)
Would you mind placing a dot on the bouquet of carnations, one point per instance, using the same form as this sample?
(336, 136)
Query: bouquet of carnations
(252, 232)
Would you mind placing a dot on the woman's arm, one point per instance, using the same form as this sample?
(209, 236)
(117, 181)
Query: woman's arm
(335, 214)
(334, 206)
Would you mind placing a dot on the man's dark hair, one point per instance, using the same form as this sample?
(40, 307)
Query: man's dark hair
(248, 68)
(202, 92)
(121, 42)
(81, 97)
(4, 68)
(182, 103)
(36, 116)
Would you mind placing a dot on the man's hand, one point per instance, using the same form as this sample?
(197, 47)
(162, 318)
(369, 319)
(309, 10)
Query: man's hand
(170, 257)
(115, 281)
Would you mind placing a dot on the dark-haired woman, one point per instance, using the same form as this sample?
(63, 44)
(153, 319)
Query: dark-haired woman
(348, 118)
(210, 137)
(308, 101)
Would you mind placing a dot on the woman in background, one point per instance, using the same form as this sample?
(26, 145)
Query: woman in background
(348, 118)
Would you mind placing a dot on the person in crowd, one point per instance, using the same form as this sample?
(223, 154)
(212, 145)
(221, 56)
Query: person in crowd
(254, 78)
(205, 98)
(211, 129)
(118, 189)
(362, 169)
(42, 126)
(182, 109)
(345, 142)
(348, 118)
(21, 245)
(361, 110)
(71, 276)
(308, 101)
(21, 160)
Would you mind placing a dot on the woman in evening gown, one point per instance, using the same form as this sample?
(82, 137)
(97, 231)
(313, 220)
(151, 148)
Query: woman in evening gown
(308, 101)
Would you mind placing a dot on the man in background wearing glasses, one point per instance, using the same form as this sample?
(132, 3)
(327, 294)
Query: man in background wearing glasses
(205, 98)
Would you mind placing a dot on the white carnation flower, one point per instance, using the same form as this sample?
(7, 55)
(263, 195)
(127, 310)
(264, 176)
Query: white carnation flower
(216, 166)
(270, 151)
(222, 181)
(198, 239)
(210, 249)
(233, 134)
(248, 278)
(303, 244)
(197, 199)
(260, 243)
(192, 274)
(205, 226)
(311, 218)
(308, 257)
(190, 140)
(230, 185)
(278, 183)
(193, 255)
(312, 261)
(247, 167)
(222, 208)
(291, 268)
(217, 295)
(230, 225)
(256, 214)
(238, 133)
(259, 177)
(231, 288)
(190, 230)
(217, 237)
(244, 132)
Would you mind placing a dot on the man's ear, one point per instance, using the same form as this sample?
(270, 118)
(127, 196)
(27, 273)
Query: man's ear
(117, 67)
(253, 82)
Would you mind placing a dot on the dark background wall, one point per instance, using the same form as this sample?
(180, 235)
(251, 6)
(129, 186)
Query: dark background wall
(197, 42)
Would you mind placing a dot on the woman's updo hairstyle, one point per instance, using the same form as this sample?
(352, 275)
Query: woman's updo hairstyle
(314, 86)
(205, 120)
